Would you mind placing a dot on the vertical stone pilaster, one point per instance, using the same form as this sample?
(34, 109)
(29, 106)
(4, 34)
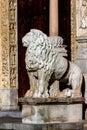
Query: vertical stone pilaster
(8, 54)
(13, 47)
(81, 40)
(0, 55)
(73, 30)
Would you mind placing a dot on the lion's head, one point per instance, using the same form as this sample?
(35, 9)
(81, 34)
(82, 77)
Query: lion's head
(33, 36)
(42, 50)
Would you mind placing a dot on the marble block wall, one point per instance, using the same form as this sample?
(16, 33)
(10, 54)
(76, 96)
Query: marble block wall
(81, 41)
(81, 60)
(53, 113)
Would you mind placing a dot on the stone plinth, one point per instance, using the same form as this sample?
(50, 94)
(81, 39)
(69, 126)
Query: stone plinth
(15, 125)
(55, 110)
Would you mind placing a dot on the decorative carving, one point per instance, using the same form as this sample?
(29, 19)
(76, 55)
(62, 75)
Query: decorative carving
(84, 14)
(81, 18)
(13, 42)
(9, 42)
(5, 41)
(45, 61)
(13, 76)
(73, 30)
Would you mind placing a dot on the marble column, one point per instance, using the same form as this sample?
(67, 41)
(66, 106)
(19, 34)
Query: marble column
(53, 18)
(53, 28)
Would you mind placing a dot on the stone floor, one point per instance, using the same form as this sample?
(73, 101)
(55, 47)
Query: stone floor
(19, 126)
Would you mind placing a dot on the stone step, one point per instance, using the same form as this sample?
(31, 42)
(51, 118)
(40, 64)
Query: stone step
(54, 126)
(13, 114)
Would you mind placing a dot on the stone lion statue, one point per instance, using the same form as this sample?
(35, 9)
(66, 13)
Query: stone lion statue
(45, 60)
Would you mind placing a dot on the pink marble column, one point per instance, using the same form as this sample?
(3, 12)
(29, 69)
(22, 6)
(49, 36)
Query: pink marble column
(53, 18)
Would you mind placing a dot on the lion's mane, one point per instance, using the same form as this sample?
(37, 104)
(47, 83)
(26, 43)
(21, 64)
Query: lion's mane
(42, 51)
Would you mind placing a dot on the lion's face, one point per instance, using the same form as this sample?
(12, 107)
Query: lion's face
(34, 36)
(27, 39)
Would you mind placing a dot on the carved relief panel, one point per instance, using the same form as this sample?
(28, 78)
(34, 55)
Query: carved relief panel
(9, 43)
(4, 45)
(13, 43)
(81, 18)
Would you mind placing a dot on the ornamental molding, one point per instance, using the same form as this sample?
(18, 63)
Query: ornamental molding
(73, 30)
(9, 43)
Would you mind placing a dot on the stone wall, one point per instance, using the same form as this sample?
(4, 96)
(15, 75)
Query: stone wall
(81, 38)
(80, 55)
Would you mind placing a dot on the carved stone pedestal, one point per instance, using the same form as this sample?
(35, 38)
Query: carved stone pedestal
(52, 110)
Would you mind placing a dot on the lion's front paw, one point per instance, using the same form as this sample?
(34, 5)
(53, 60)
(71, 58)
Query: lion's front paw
(29, 93)
(68, 93)
(40, 95)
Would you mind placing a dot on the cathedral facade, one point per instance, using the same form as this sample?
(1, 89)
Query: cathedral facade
(16, 19)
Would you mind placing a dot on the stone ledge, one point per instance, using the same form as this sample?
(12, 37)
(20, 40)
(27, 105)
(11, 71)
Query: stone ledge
(54, 126)
(82, 39)
(10, 114)
(51, 100)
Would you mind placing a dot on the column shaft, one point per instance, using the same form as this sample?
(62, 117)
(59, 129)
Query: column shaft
(53, 18)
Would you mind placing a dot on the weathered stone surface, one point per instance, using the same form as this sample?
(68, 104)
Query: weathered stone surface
(13, 121)
(9, 99)
(51, 112)
(82, 49)
(82, 64)
(53, 126)
(8, 55)
(60, 100)
(10, 114)
(81, 18)
(81, 41)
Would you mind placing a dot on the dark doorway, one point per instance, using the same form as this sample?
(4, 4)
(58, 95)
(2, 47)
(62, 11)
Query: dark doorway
(31, 14)
(64, 24)
(35, 14)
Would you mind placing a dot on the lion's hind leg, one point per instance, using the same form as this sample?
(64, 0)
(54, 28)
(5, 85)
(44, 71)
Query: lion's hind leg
(75, 80)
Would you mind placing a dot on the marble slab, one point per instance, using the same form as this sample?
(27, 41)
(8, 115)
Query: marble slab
(51, 112)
